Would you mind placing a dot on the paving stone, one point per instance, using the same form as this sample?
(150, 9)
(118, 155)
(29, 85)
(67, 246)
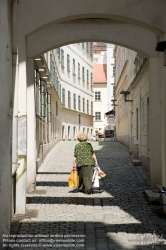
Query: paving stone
(116, 217)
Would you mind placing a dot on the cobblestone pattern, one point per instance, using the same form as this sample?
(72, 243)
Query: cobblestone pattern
(119, 217)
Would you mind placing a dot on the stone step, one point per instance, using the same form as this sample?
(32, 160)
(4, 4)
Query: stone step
(136, 162)
(159, 187)
(152, 196)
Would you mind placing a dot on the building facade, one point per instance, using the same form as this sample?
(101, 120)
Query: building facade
(64, 97)
(100, 87)
(133, 99)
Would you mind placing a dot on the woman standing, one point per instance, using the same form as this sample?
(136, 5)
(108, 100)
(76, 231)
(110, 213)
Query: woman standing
(84, 161)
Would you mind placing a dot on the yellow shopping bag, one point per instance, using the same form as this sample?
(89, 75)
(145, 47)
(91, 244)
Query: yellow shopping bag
(73, 180)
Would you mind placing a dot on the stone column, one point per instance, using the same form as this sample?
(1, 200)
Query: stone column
(5, 118)
(155, 122)
(31, 127)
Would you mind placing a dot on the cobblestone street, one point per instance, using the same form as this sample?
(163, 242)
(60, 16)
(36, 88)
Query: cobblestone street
(120, 217)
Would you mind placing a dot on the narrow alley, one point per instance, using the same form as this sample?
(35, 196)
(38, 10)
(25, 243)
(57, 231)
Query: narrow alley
(119, 217)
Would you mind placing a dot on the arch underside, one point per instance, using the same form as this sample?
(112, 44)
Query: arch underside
(110, 31)
(36, 14)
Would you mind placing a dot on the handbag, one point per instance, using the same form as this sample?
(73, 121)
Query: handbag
(73, 180)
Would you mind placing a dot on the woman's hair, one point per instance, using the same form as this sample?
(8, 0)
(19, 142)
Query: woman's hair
(82, 137)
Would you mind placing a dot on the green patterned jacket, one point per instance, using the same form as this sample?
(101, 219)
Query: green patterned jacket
(83, 153)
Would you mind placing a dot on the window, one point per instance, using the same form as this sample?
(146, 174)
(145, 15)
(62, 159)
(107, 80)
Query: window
(137, 121)
(83, 105)
(87, 76)
(79, 103)
(88, 106)
(91, 79)
(62, 57)
(98, 116)
(83, 74)
(91, 49)
(68, 62)
(58, 52)
(148, 126)
(63, 97)
(87, 47)
(91, 108)
(69, 99)
(113, 71)
(78, 70)
(83, 45)
(74, 101)
(95, 61)
(74, 67)
(60, 90)
(56, 108)
(97, 96)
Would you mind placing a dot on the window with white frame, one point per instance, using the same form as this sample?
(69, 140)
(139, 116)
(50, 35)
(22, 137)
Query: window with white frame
(74, 67)
(91, 49)
(87, 76)
(79, 103)
(113, 71)
(87, 47)
(137, 123)
(83, 102)
(95, 61)
(62, 57)
(59, 52)
(74, 101)
(83, 74)
(88, 106)
(91, 108)
(69, 99)
(91, 79)
(63, 97)
(68, 62)
(97, 116)
(97, 95)
(78, 70)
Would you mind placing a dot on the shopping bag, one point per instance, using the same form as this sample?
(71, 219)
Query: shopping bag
(101, 174)
(95, 179)
(73, 180)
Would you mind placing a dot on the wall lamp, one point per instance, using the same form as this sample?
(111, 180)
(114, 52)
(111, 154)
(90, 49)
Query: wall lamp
(113, 104)
(161, 46)
(124, 93)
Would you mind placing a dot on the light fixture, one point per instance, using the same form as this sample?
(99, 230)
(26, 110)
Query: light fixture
(38, 59)
(45, 77)
(124, 93)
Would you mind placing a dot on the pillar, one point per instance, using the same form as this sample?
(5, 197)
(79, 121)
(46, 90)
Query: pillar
(31, 127)
(155, 122)
(20, 206)
(5, 118)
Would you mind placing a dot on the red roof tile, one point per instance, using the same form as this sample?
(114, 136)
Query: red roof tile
(100, 73)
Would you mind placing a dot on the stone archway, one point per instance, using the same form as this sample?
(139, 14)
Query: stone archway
(126, 23)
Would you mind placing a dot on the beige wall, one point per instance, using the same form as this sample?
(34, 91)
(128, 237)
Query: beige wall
(132, 118)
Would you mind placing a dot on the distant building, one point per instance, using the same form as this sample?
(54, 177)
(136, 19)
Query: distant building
(103, 83)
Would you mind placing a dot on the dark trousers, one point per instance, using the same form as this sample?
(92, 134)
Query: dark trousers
(85, 177)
